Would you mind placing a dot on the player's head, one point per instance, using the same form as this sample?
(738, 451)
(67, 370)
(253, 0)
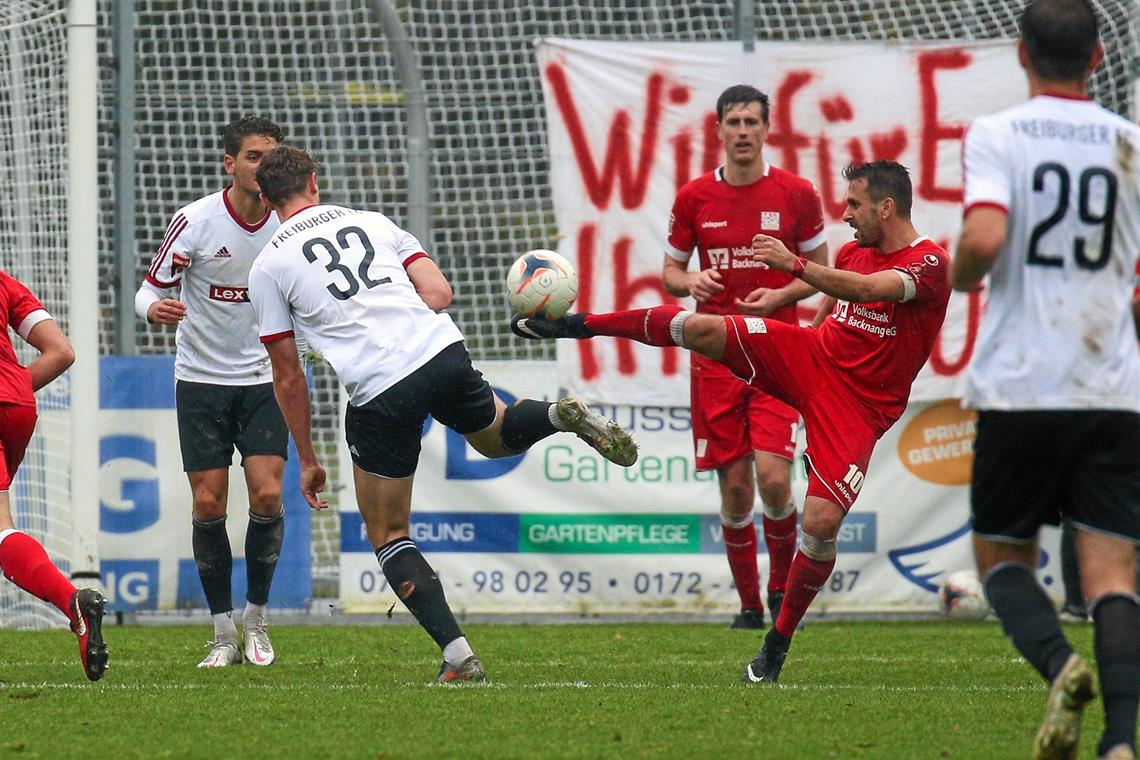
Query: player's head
(741, 95)
(1059, 41)
(878, 193)
(246, 141)
(742, 123)
(287, 173)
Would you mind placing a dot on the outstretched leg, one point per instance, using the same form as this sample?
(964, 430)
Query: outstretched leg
(518, 427)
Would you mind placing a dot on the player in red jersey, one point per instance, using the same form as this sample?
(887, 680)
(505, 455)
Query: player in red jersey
(22, 558)
(849, 375)
(738, 427)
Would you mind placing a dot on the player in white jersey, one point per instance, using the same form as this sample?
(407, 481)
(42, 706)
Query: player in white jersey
(224, 384)
(1052, 213)
(370, 300)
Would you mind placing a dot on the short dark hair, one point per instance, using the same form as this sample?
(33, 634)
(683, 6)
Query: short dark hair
(284, 172)
(1059, 36)
(741, 95)
(237, 130)
(885, 179)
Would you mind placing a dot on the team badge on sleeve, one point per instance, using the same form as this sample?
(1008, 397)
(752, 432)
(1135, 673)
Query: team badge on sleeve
(178, 264)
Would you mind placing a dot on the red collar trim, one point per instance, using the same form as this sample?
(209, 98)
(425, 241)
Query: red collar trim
(237, 219)
(300, 210)
(1064, 96)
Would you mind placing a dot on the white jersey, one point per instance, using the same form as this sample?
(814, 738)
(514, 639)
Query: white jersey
(338, 275)
(1058, 330)
(208, 250)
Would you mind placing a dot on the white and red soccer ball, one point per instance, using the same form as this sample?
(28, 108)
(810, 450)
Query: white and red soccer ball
(962, 596)
(542, 283)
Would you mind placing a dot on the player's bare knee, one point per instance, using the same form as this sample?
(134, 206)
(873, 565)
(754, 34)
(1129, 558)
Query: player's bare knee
(823, 526)
(208, 506)
(704, 333)
(776, 494)
(266, 500)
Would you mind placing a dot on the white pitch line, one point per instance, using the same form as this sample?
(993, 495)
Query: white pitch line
(545, 685)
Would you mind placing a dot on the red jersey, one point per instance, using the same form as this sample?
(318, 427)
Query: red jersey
(720, 220)
(881, 346)
(17, 304)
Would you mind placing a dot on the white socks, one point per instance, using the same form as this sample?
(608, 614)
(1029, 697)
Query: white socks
(457, 651)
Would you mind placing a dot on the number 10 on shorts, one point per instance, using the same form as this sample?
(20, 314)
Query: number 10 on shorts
(853, 478)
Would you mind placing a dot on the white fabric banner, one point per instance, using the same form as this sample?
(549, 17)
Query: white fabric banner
(559, 529)
(630, 122)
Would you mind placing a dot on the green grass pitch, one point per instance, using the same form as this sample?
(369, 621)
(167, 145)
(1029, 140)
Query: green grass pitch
(848, 690)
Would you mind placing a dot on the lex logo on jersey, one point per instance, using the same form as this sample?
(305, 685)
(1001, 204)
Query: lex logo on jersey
(770, 220)
(229, 294)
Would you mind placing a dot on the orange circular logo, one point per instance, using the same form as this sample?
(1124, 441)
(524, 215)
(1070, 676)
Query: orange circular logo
(938, 444)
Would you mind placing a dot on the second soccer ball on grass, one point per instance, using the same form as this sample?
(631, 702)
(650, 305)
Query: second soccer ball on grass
(542, 283)
(962, 596)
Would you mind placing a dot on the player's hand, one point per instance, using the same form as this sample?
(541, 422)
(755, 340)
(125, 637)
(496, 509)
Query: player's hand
(168, 311)
(773, 253)
(312, 483)
(706, 285)
(761, 302)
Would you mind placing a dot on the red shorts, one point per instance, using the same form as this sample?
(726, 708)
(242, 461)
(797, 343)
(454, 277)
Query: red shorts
(787, 362)
(17, 423)
(732, 419)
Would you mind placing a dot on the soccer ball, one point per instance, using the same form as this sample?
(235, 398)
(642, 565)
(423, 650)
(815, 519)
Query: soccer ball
(961, 596)
(542, 284)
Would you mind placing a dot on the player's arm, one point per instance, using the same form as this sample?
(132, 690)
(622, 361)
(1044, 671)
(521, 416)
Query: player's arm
(430, 283)
(983, 235)
(679, 281)
(155, 305)
(292, 392)
(888, 285)
(56, 353)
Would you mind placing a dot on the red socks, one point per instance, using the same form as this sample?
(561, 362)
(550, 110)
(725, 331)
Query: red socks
(649, 326)
(780, 536)
(26, 564)
(740, 546)
(805, 579)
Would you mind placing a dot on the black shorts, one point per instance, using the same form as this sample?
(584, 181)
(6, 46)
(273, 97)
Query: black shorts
(213, 419)
(1033, 468)
(384, 434)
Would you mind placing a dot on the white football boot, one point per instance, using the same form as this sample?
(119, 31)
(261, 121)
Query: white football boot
(255, 634)
(222, 654)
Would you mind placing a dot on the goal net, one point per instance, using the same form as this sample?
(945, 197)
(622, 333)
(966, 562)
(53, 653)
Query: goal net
(326, 73)
(33, 248)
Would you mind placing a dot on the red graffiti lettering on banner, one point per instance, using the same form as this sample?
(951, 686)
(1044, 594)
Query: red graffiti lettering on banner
(682, 157)
(938, 362)
(626, 291)
(713, 148)
(934, 131)
(586, 356)
(783, 135)
(617, 160)
(884, 145)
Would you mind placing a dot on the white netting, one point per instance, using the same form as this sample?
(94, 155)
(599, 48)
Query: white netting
(33, 248)
(325, 72)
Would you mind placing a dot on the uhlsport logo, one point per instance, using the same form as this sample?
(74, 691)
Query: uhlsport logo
(937, 445)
